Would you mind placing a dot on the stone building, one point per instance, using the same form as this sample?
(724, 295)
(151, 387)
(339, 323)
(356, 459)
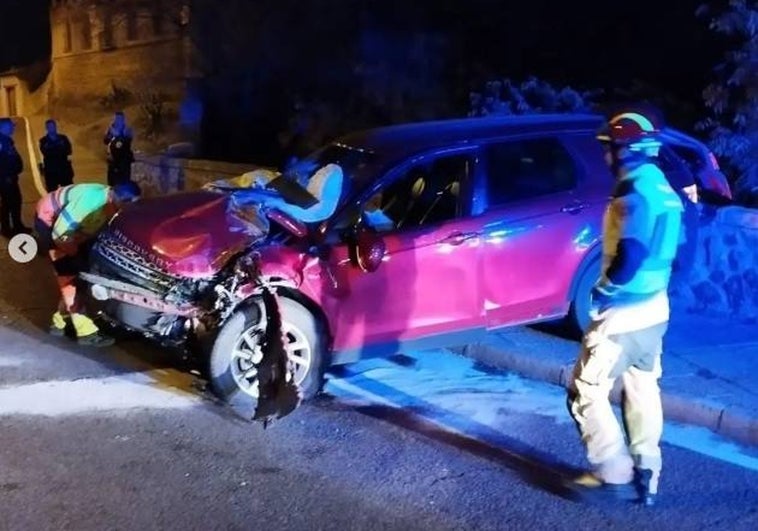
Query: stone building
(101, 48)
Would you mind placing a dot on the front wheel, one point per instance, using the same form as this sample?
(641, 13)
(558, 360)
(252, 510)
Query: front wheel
(237, 349)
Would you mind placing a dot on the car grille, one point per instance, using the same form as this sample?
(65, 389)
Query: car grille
(123, 261)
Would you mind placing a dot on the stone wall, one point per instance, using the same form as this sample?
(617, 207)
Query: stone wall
(143, 67)
(162, 174)
(135, 44)
(724, 279)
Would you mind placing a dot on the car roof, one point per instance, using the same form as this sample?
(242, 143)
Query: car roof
(399, 140)
(678, 137)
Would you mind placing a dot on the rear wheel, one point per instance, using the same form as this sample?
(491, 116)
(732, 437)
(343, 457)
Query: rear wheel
(579, 312)
(236, 350)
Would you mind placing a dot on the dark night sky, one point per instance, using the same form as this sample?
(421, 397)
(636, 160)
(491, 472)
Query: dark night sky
(24, 31)
(587, 43)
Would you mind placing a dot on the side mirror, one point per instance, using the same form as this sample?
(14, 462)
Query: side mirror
(368, 250)
(290, 224)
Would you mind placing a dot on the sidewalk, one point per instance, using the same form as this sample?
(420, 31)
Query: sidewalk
(710, 370)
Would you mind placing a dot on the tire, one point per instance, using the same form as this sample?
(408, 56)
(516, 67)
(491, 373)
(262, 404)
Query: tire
(579, 311)
(300, 326)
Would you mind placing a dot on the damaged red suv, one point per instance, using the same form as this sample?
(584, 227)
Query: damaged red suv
(442, 232)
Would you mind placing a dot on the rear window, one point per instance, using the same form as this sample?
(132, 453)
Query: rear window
(525, 169)
(675, 168)
(691, 157)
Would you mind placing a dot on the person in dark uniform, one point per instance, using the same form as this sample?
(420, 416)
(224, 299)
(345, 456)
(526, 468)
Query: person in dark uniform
(56, 150)
(119, 138)
(11, 166)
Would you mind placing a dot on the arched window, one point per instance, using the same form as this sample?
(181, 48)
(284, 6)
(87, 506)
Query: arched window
(106, 38)
(158, 23)
(132, 30)
(86, 31)
(67, 36)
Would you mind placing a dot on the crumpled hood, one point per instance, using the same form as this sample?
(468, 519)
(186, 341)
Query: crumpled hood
(191, 234)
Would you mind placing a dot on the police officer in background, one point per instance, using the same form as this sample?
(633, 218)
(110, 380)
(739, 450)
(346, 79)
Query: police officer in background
(11, 166)
(118, 140)
(629, 318)
(56, 150)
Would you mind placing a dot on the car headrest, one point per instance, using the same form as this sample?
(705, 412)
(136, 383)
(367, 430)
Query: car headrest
(326, 182)
(419, 185)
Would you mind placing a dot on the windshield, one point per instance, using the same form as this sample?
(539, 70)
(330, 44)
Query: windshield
(352, 161)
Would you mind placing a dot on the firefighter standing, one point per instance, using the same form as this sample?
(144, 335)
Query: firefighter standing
(118, 140)
(56, 150)
(630, 317)
(11, 166)
(66, 221)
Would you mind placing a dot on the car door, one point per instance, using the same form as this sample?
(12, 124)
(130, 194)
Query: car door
(538, 225)
(427, 284)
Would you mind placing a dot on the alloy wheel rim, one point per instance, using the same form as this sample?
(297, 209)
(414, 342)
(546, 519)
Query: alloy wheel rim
(247, 353)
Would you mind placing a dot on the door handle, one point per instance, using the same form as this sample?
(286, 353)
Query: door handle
(574, 208)
(457, 238)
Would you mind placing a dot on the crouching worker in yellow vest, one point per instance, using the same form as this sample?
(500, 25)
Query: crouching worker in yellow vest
(66, 221)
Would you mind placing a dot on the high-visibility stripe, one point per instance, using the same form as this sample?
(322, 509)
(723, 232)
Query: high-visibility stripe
(641, 120)
(59, 207)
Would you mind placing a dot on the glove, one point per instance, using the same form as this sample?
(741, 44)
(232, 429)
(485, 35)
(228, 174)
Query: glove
(601, 296)
(69, 243)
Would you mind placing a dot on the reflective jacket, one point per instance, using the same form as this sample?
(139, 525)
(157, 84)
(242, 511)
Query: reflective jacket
(77, 210)
(641, 231)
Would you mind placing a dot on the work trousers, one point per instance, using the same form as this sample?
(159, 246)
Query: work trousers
(10, 207)
(67, 265)
(635, 357)
(57, 177)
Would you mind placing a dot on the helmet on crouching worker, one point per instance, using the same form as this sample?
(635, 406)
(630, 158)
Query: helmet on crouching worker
(126, 192)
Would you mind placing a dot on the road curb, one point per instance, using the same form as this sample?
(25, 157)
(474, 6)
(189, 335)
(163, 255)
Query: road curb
(727, 422)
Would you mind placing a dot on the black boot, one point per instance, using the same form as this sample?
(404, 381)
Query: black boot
(642, 479)
(97, 340)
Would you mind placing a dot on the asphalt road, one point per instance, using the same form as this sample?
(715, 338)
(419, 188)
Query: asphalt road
(89, 443)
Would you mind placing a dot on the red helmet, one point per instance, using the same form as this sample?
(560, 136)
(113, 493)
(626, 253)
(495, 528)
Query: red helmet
(630, 129)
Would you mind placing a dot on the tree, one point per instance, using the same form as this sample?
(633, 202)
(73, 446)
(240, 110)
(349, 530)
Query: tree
(274, 81)
(533, 96)
(733, 98)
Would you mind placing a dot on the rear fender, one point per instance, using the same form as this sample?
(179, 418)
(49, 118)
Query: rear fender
(595, 253)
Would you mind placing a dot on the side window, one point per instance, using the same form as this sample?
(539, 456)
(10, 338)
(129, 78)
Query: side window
(676, 170)
(426, 194)
(524, 169)
(691, 157)
(669, 161)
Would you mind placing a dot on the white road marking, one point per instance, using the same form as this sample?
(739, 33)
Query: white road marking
(92, 395)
